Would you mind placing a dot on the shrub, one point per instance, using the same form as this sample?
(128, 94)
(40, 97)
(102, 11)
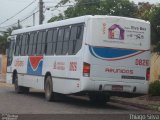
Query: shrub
(154, 88)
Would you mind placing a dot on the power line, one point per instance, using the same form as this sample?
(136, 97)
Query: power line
(20, 20)
(56, 8)
(31, 13)
(17, 13)
(29, 16)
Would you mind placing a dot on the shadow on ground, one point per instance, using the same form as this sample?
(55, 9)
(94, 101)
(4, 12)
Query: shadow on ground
(77, 101)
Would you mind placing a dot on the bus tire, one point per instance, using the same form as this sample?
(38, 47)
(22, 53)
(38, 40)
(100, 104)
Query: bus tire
(100, 99)
(48, 87)
(25, 90)
(19, 89)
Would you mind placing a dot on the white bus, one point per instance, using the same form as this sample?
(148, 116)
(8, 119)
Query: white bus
(100, 56)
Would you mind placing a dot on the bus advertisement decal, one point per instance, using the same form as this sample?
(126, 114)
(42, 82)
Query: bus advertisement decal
(73, 66)
(112, 54)
(35, 64)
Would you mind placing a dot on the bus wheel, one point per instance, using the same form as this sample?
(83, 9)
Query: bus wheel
(19, 89)
(98, 98)
(49, 95)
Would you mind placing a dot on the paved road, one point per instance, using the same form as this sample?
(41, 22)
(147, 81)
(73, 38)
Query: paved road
(34, 103)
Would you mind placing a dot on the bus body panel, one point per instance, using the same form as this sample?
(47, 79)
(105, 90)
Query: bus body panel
(63, 67)
(119, 32)
(65, 72)
(118, 51)
(126, 69)
(94, 86)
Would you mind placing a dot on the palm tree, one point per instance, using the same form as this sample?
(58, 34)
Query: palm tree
(4, 36)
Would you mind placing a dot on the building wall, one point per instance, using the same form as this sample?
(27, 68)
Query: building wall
(3, 67)
(155, 67)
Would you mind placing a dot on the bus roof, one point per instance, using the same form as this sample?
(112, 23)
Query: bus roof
(70, 21)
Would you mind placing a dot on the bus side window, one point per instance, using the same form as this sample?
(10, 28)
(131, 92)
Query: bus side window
(34, 43)
(23, 45)
(49, 42)
(79, 38)
(17, 46)
(60, 41)
(27, 44)
(39, 43)
(20, 43)
(75, 42)
(30, 43)
(43, 43)
(10, 53)
(66, 40)
(72, 39)
(54, 41)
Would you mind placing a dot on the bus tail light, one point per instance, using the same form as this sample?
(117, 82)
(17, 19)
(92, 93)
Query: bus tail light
(148, 74)
(86, 69)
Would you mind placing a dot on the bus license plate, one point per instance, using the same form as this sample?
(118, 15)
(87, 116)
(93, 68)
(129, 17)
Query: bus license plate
(117, 88)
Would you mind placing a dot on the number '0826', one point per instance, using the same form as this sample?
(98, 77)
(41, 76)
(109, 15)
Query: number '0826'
(142, 62)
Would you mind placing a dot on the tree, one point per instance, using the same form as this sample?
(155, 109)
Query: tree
(3, 38)
(3, 43)
(155, 25)
(56, 18)
(9, 30)
(150, 12)
(97, 7)
(144, 10)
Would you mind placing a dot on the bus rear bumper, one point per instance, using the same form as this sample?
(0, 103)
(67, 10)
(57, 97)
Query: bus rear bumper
(116, 88)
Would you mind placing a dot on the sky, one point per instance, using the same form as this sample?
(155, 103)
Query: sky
(9, 8)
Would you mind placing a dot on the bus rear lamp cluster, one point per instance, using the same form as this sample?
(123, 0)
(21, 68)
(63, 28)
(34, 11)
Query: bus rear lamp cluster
(148, 74)
(86, 69)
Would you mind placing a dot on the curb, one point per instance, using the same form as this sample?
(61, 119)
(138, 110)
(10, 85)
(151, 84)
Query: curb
(133, 104)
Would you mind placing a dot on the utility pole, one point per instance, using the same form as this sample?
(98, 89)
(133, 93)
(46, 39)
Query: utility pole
(19, 24)
(41, 17)
(33, 19)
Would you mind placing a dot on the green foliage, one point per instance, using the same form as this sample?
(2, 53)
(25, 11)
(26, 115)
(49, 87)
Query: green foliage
(3, 38)
(157, 48)
(3, 43)
(97, 7)
(118, 8)
(151, 12)
(155, 24)
(154, 88)
(144, 10)
(62, 2)
(56, 18)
